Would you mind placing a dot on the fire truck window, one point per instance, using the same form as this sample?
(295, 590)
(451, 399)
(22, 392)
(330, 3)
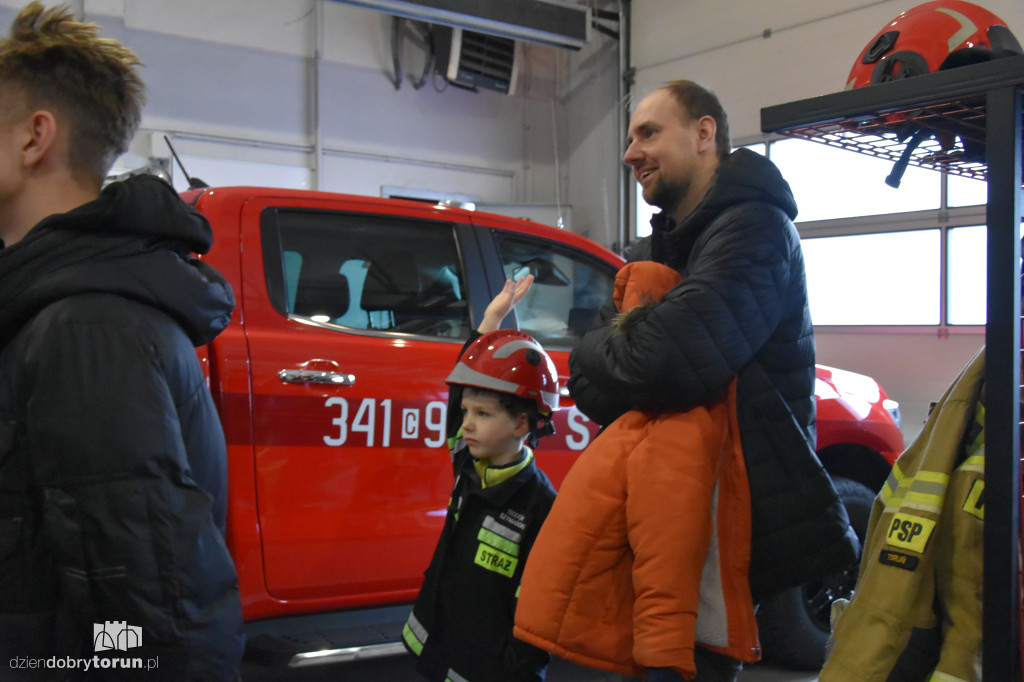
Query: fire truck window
(568, 289)
(369, 273)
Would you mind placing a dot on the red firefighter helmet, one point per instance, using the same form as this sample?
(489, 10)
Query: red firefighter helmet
(509, 361)
(930, 37)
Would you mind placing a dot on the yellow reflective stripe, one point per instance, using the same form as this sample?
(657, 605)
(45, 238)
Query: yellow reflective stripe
(924, 491)
(414, 634)
(975, 463)
(945, 677)
(496, 541)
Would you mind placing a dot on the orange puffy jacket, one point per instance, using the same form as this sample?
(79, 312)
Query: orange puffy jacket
(650, 527)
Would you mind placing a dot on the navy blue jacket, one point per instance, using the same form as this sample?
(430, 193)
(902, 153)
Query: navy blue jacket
(113, 479)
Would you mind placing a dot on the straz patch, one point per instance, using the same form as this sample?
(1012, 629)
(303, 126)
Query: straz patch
(910, 532)
(495, 560)
(899, 560)
(975, 502)
(498, 550)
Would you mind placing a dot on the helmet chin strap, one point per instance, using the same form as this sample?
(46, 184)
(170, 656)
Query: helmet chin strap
(543, 427)
(896, 176)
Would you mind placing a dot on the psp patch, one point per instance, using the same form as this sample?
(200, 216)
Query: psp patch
(910, 532)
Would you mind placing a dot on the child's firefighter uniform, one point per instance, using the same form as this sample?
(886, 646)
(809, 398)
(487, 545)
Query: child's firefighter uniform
(921, 572)
(461, 623)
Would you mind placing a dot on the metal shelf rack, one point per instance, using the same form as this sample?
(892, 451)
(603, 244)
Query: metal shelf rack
(976, 114)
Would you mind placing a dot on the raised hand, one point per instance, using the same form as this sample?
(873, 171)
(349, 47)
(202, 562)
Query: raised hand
(504, 303)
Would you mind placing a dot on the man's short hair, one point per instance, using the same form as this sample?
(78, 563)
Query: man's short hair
(696, 101)
(89, 83)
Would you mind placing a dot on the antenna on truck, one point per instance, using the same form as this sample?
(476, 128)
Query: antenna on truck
(193, 183)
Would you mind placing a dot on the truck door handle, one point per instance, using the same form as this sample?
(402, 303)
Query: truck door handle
(313, 376)
(317, 372)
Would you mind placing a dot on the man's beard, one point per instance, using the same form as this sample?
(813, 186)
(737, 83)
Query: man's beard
(667, 195)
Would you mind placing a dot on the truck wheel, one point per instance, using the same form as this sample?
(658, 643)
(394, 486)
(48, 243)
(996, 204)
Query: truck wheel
(794, 624)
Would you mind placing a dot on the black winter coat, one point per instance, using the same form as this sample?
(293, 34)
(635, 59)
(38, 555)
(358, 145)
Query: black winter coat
(741, 309)
(112, 459)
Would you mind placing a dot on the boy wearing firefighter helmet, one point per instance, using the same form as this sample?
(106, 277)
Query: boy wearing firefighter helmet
(503, 393)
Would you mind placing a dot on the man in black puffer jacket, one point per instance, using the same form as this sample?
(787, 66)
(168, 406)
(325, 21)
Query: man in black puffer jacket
(112, 459)
(741, 310)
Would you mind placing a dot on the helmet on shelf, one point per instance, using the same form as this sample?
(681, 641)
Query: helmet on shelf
(931, 37)
(509, 361)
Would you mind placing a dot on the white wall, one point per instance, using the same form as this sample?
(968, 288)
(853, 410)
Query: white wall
(233, 80)
(914, 367)
(810, 51)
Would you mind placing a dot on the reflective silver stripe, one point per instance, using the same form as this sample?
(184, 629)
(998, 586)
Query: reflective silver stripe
(550, 398)
(417, 628)
(519, 344)
(470, 377)
(491, 524)
(455, 677)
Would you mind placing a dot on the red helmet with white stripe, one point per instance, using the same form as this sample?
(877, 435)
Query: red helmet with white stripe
(930, 37)
(509, 361)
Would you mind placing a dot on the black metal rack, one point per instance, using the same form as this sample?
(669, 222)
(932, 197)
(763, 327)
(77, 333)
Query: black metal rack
(979, 105)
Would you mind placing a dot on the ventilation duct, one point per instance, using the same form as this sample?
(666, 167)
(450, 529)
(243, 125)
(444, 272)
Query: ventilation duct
(558, 23)
(476, 60)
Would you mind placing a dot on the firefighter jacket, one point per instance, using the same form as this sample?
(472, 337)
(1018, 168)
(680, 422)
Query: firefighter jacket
(651, 528)
(461, 623)
(922, 563)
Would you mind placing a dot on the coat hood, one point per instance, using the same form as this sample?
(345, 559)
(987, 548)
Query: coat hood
(748, 176)
(135, 240)
(742, 177)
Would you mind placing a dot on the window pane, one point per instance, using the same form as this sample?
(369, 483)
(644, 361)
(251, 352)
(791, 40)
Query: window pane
(644, 211)
(568, 289)
(836, 183)
(966, 191)
(883, 279)
(367, 272)
(967, 275)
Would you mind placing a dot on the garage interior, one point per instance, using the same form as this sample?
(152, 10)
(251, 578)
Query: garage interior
(366, 97)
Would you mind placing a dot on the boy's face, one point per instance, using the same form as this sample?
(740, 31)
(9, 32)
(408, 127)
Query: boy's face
(490, 431)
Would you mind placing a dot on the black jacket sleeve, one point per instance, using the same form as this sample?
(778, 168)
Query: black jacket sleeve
(687, 348)
(133, 535)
